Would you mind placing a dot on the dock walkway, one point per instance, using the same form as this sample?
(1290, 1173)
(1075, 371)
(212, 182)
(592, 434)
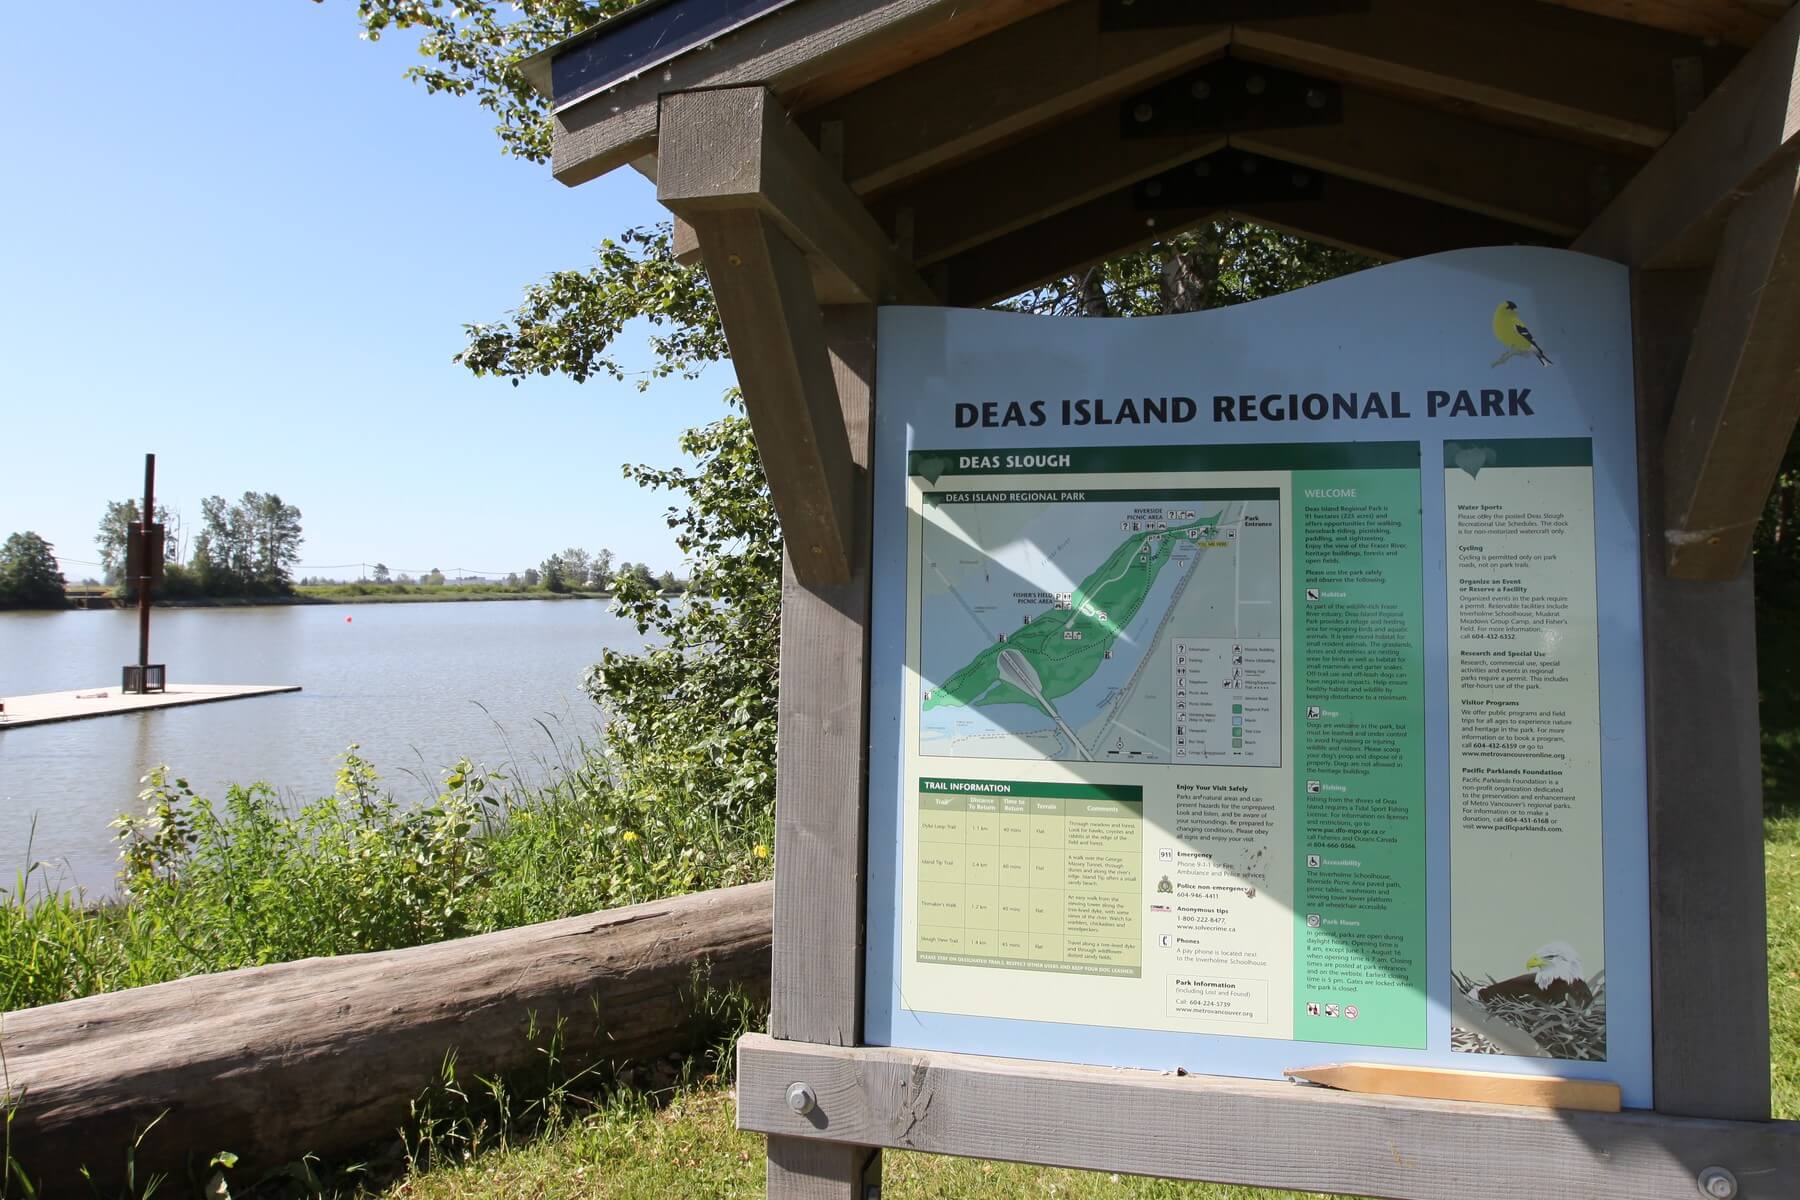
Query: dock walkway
(45, 707)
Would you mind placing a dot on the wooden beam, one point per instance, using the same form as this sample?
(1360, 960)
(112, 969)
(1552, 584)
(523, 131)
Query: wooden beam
(777, 338)
(824, 746)
(1384, 224)
(1538, 182)
(808, 53)
(821, 784)
(1246, 1131)
(1734, 22)
(1352, 215)
(1710, 1048)
(1046, 174)
(685, 243)
(1001, 87)
(1672, 214)
(1062, 244)
(1740, 391)
(735, 148)
(1523, 63)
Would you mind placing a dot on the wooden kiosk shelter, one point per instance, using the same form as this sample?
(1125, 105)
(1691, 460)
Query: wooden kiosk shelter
(824, 157)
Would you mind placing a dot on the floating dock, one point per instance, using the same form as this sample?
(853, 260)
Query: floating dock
(46, 707)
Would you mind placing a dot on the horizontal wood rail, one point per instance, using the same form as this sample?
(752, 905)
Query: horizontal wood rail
(1247, 1131)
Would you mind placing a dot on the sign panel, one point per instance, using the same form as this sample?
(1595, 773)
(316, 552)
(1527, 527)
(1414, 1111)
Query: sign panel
(1263, 687)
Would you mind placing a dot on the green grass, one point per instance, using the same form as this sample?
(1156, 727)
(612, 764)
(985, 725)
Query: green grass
(689, 1149)
(254, 879)
(1782, 858)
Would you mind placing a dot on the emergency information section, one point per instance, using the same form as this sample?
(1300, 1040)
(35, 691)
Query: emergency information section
(1244, 678)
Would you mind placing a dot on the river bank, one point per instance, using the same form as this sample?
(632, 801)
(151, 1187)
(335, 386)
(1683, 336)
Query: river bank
(332, 595)
(417, 685)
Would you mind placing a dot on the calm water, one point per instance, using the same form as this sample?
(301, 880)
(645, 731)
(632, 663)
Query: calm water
(418, 685)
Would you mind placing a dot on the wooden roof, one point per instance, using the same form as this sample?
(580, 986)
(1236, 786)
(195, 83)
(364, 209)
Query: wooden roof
(819, 153)
(1005, 142)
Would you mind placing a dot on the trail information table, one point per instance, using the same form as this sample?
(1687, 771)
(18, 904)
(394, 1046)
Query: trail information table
(1031, 876)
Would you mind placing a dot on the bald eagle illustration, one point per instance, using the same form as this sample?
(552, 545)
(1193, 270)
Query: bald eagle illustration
(1553, 975)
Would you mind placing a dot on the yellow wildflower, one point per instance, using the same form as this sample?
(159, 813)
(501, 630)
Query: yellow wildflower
(762, 851)
(630, 837)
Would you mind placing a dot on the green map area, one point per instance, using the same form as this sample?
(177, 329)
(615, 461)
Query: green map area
(1056, 652)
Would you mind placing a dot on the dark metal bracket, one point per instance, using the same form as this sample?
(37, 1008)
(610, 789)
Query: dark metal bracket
(1225, 178)
(1229, 95)
(1118, 16)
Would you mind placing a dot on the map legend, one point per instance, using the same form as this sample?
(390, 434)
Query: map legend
(1227, 701)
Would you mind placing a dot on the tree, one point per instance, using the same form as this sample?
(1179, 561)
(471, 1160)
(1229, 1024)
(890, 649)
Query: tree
(575, 566)
(512, 579)
(433, 578)
(694, 716)
(249, 547)
(29, 575)
(600, 570)
(532, 578)
(380, 574)
(667, 581)
(552, 573)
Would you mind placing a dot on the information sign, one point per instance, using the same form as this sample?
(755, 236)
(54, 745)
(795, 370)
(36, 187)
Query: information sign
(1263, 687)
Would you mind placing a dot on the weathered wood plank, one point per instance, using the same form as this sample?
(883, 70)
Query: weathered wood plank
(1735, 22)
(1562, 72)
(1539, 182)
(822, 766)
(735, 148)
(804, 1169)
(1385, 224)
(326, 1055)
(1353, 215)
(1710, 1042)
(821, 793)
(1740, 389)
(1028, 181)
(809, 53)
(772, 323)
(1001, 87)
(1443, 1083)
(1248, 1131)
(1672, 213)
(1063, 243)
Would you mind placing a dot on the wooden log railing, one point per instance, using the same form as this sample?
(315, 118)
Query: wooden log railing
(327, 1055)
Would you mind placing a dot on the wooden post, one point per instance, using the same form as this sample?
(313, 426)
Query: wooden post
(821, 798)
(1709, 954)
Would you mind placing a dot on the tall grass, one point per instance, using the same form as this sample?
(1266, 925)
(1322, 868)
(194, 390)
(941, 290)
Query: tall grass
(254, 879)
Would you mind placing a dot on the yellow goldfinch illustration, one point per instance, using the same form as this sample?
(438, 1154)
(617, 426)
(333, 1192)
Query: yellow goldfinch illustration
(1509, 327)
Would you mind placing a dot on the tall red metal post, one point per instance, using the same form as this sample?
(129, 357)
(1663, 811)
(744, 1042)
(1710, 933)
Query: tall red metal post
(143, 567)
(146, 573)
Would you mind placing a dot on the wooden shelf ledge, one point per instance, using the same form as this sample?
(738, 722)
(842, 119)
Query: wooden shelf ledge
(1245, 1131)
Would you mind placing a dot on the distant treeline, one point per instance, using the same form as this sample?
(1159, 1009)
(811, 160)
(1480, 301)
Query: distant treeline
(571, 570)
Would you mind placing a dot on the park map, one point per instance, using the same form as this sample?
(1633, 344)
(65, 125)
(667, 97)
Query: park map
(1140, 627)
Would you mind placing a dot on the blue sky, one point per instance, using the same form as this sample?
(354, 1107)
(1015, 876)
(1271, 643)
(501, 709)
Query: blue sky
(232, 234)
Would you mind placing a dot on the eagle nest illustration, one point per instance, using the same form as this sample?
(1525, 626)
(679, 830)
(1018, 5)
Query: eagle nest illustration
(1560, 1012)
